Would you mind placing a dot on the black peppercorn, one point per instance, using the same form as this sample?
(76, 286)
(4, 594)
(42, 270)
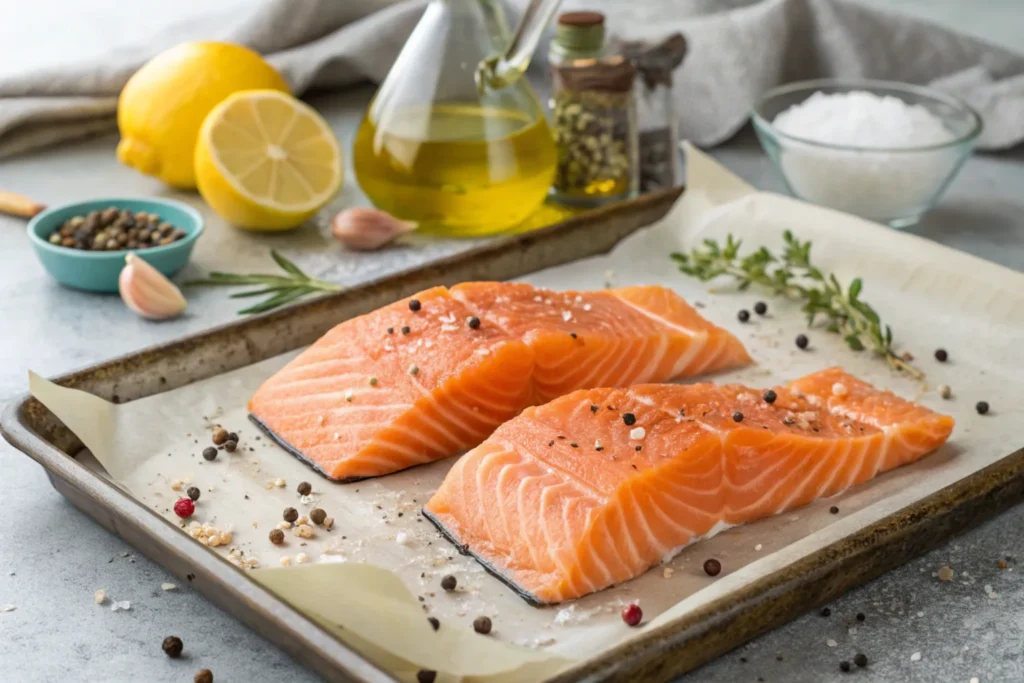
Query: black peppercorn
(981, 407)
(426, 676)
(737, 416)
(230, 446)
(802, 341)
(290, 514)
(629, 419)
(203, 676)
(210, 453)
(173, 646)
(317, 516)
(860, 616)
(712, 567)
(448, 582)
(760, 308)
(304, 488)
(473, 322)
(193, 493)
(232, 436)
(594, 408)
(941, 355)
(434, 622)
(743, 315)
(277, 536)
(391, 330)
(860, 659)
(844, 666)
(826, 612)
(415, 305)
(482, 625)
(405, 329)
(770, 396)
(834, 510)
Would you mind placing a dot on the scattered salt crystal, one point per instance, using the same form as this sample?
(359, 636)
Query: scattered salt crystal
(120, 605)
(637, 433)
(566, 316)
(168, 587)
(831, 643)
(946, 574)
(547, 301)
(538, 298)
(920, 614)
(285, 560)
(916, 657)
(301, 558)
(8, 608)
(587, 307)
(565, 615)
(402, 538)
(284, 526)
(307, 500)
(758, 546)
(303, 531)
(852, 630)
(839, 389)
(100, 596)
(988, 588)
(667, 572)
(280, 483)
(974, 679)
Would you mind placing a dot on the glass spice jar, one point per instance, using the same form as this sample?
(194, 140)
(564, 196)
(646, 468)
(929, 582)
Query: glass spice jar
(594, 117)
(658, 138)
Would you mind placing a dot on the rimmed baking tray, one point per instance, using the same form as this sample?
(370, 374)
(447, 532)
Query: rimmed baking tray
(659, 655)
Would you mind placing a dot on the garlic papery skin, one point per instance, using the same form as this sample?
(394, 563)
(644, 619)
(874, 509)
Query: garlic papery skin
(364, 229)
(146, 291)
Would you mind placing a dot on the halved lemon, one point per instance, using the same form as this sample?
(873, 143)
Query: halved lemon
(266, 161)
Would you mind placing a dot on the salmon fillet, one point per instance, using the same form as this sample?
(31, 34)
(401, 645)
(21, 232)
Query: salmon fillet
(596, 487)
(398, 387)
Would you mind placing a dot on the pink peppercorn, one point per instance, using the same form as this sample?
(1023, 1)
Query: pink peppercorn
(632, 614)
(184, 508)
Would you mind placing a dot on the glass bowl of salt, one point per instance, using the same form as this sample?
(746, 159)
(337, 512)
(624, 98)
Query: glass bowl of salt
(881, 150)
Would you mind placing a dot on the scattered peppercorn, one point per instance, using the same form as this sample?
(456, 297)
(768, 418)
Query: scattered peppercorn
(860, 616)
(860, 659)
(473, 322)
(448, 582)
(844, 666)
(802, 341)
(945, 391)
(826, 612)
(981, 407)
(778, 658)
(629, 419)
(230, 446)
(391, 330)
(770, 396)
(317, 516)
(743, 315)
(434, 622)
(415, 305)
(276, 536)
(760, 308)
(184, 507)
(232, 436)
(482, 625)
(405, 329)
(210, 453)
(220, 435)
(290, 514)
(834, 510)
(304, 488)
(203, 676)
(632, 614)
(712, 567)
(426, 676)
(193, 493)
(173, 646)
(573, 335)
(737, 416)
(1001, 564)
(941, 355)
(594, 408)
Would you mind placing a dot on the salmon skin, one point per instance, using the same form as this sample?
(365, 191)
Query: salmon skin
(596, 487)
(433, 375)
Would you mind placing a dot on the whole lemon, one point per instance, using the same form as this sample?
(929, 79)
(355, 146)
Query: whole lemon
(162, 106)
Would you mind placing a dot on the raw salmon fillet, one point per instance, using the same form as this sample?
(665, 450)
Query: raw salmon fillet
(398, 387)
(596, 487)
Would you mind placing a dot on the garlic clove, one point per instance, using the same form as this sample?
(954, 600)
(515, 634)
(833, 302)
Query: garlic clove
(364, 229)
(146, 291)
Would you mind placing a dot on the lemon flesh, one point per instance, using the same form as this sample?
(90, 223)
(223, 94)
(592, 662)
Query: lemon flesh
(266, 161)
(163, 105)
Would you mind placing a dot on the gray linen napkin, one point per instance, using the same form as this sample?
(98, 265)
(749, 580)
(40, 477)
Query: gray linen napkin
(737, 49)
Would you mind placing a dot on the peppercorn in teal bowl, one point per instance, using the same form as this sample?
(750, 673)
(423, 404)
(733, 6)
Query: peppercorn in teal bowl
(98, 270)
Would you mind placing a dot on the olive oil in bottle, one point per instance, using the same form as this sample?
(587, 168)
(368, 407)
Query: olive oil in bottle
(461, 169)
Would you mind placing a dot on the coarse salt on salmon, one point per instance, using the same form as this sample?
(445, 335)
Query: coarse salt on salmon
(596, 487)
(440, 386)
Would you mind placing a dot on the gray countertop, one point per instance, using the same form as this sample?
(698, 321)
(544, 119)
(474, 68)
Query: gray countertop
(52, 558)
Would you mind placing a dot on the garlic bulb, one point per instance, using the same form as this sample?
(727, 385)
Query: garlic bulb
(146, 291)
(366, 229)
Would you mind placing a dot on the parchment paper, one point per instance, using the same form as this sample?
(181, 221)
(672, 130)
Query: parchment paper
(374, 577)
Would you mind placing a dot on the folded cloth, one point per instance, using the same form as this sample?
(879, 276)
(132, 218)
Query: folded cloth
(736, 51)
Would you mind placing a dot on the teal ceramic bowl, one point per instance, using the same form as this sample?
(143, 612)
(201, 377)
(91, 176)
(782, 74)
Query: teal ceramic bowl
(98, 271)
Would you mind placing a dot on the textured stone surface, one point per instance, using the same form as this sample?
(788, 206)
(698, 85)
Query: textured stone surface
(52, 558)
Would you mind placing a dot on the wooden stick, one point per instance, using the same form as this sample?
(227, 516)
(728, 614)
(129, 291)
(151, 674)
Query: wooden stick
(19, 205)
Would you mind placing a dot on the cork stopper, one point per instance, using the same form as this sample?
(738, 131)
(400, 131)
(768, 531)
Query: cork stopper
(580, 32)
(581, 19)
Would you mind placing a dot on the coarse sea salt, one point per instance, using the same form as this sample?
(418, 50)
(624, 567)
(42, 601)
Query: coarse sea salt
(879, 179)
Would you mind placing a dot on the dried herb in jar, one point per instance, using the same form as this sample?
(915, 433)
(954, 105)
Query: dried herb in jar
(660, 159)
(595, 130)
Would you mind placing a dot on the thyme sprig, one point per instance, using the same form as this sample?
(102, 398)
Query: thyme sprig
(279, 289)
(792, 275)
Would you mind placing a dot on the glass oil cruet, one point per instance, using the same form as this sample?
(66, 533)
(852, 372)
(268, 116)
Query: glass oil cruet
(455, 139)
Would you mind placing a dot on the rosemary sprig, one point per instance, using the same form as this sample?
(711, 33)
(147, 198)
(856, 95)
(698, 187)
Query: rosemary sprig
(279, 289)
(793, 276)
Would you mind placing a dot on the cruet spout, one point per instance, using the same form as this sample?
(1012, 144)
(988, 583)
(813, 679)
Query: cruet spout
(498, 71)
